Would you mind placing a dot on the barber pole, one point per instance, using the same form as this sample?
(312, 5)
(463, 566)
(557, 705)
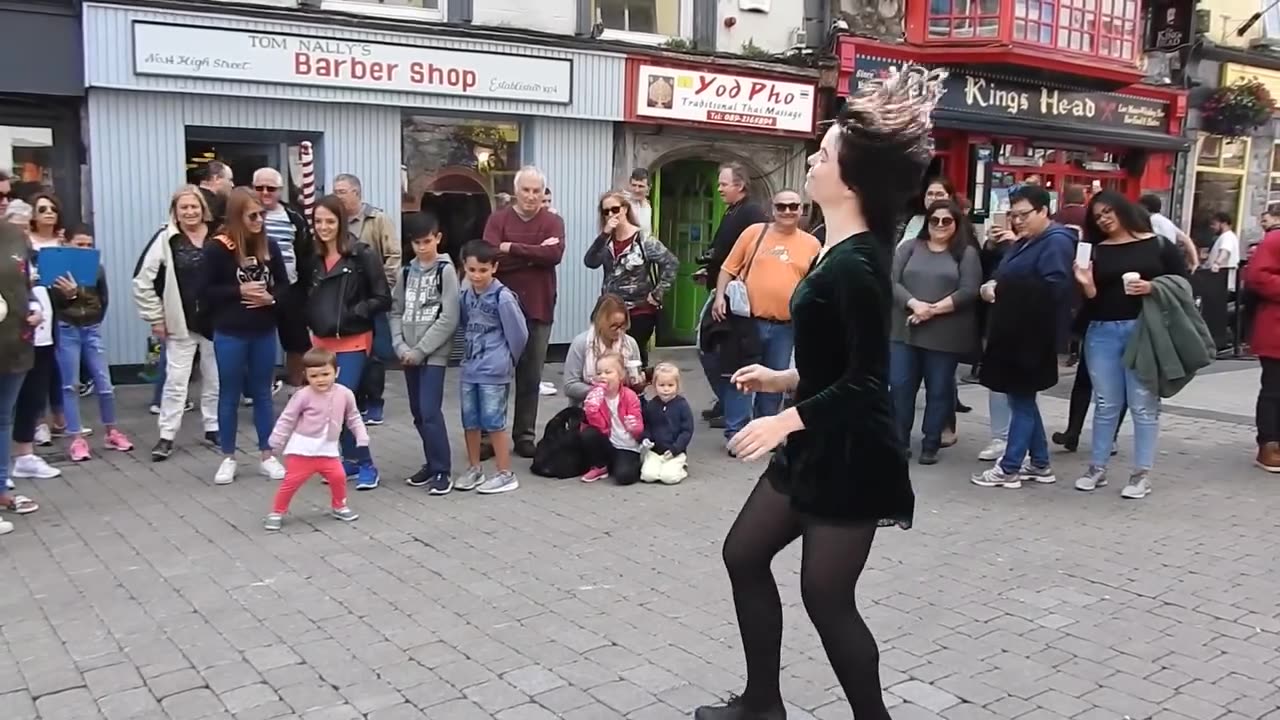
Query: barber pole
(307, 160)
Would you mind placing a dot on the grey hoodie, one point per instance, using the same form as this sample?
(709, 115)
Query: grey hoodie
(424, 311)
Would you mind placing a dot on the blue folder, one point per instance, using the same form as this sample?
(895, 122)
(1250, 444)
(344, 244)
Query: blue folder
(80, 263)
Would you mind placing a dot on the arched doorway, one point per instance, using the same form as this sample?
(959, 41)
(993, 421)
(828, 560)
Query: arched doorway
(687, 212)
(457, 196)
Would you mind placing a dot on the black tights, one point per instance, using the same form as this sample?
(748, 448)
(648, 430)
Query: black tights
(832, 559)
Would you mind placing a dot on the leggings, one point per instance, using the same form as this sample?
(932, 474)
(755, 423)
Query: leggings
(832, 558)
(298, 469)
(33, 398)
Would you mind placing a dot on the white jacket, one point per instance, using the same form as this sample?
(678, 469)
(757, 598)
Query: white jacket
(154, 309)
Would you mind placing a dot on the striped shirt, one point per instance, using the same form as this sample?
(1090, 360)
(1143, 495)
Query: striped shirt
(280, 228)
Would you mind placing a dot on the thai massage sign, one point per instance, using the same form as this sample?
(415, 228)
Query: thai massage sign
(665, 93)
(989, 96)
(248, 56)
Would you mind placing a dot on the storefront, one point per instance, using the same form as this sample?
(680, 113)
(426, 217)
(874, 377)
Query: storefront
(425, 122)
(40, 103)
(993, 131)
(683, 122)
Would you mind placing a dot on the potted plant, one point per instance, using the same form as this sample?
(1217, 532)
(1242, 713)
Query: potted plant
(1236, 109)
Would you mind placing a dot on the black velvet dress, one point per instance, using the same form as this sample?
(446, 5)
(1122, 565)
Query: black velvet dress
(846, 466)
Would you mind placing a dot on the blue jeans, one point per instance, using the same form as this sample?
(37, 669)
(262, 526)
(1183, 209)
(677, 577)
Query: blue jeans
(425, 384)
(484, 407)
(998, 411)
(76, 343)
(351, 367)
(10, 385)
(908, 365)
(1114, 386)
(245, 366)
(776, 343)
(1026, 434)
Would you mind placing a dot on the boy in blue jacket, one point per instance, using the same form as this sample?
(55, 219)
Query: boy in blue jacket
(495, 332)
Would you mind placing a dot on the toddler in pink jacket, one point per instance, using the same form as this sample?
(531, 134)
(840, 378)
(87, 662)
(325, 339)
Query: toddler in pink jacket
(614, 425)
(307, 435)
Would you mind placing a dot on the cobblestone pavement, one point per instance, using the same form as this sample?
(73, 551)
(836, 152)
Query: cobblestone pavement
(142, 591)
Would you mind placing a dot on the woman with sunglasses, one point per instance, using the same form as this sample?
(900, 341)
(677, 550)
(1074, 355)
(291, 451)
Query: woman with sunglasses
(607, 334)
(46, 231)
(936, 277)
(243, 274)
(638, 269)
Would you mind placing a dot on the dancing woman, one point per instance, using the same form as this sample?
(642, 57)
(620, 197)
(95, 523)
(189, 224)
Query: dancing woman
(842, 472)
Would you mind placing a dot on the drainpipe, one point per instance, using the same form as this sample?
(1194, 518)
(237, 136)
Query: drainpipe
(817, 18)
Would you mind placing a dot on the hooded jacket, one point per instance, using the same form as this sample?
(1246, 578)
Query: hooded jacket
(155, 285)
(425, 310)
(15, 298)
(344, 299)
(89, 305)
(495, 332)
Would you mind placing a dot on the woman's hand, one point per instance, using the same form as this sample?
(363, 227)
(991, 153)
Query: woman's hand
(988, 291)
(66, 285)
(612, 224)
(159, 331)
(251, 290)
(1138, 287)
(920, 312)
(1084, 276)
(34, 318)
(761, 436)
(758, 378)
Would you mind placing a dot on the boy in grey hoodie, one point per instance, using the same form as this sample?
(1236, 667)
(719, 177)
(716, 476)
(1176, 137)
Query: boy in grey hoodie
(496, 334)
(423, 320)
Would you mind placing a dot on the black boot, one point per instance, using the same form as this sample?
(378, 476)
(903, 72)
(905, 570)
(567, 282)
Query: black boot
(736, 709)
(1068, 441)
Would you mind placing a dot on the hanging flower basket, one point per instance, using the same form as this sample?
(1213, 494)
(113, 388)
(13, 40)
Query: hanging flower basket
(1235, 110)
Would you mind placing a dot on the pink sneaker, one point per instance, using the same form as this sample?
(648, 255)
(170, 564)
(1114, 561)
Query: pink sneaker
(595, 474)
(79, 450)
(117, 440)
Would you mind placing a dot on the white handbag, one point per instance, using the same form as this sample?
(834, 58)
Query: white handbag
(735, 292)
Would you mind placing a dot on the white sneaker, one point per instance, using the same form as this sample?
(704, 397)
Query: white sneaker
(8, 484)
(34, 467)
(6, 527)
(272, 468)
(993, 451)
(43, 436)
(547, 389)
(154, 409)
(226, 472)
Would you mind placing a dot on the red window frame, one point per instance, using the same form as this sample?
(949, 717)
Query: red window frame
(1107, 30)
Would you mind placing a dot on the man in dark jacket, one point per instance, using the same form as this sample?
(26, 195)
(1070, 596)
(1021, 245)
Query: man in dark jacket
(740, 213)
(215, 186)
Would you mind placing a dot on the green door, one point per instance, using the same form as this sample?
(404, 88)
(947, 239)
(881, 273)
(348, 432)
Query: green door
(687, 214)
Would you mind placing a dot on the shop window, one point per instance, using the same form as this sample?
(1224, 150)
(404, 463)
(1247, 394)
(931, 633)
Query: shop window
(245, 151)
(657, 18)
(1273, 193)
(1100, 28)
(412, 9)
(1221, 167)
(964, 19)
(28, 153)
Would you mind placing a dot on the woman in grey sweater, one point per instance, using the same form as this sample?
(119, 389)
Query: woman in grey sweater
(935, 288)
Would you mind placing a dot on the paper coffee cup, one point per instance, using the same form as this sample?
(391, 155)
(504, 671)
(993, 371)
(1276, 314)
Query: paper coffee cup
(1130, 277)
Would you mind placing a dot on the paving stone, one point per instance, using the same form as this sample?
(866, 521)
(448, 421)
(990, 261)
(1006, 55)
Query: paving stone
(195, 703)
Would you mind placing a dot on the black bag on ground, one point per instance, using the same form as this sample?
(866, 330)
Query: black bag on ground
(559, 452)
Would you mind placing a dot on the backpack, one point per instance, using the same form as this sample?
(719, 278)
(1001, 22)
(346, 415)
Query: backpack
(559, 453)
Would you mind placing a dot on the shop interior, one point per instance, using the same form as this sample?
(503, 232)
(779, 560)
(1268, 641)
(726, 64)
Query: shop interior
(245, 151)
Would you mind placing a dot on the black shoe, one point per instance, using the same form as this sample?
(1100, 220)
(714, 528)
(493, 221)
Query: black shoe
(970, 379)
(419, 479)
(486, 451)
(928, 457)
(1070, 443)
(162, 451)
(526, 448)
(735, 709)
(962, 408)
(717, 422)
(713, 411)
(440, 484)
(87, 389)
(211, 438)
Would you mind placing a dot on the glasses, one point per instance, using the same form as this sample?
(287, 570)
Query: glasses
(266, 188)
(255, 215)
(46, 209)
(611, 210)
(786, 207)
(944, 221)
(618, 326)
(1020, 214)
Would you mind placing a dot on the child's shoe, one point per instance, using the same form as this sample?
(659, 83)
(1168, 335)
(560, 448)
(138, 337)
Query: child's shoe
(367, 477)
(440, 484)
(117, 440)
(595, 474)
(345, 514)
(470, 480)
(79, 450)
(274, 521)
(504, 481)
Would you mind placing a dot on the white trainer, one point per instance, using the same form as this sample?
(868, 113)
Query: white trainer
(226, 472)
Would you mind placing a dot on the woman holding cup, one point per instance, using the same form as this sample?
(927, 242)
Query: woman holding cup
(1127, 255)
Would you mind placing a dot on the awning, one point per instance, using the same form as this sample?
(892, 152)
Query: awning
(1066, 132)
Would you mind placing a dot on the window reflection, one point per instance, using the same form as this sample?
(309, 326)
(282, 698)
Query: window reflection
(28, 153)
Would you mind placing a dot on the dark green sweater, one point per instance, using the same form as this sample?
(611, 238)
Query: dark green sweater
(15, 287)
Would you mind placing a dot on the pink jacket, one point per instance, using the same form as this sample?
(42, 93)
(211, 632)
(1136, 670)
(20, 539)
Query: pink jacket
(596, 410)
(320, 416)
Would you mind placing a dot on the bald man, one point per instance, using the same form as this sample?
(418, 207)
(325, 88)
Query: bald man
(288, 229)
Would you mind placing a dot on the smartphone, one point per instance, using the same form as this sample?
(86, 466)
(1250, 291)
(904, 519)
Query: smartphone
(1084, 254)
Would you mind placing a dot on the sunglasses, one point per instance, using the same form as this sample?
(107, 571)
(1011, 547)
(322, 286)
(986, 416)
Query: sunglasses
(255, 215)
(946, 221)
(46, 209)
(786, 207)
(265, 188)
(611, 210)
(5, 196)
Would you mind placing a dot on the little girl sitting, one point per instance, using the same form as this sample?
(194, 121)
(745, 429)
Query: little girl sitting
(614, 425)
(308, 431)
(668, 423)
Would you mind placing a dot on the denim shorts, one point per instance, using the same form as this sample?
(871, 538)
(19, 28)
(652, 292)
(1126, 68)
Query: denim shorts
(484, 407)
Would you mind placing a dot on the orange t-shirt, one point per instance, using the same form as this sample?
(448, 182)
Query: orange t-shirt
(347, 343)
(779, 265)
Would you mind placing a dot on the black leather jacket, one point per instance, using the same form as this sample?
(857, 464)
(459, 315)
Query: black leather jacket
(344, 300)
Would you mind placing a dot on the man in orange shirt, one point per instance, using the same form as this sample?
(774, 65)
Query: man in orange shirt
(770, 259)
